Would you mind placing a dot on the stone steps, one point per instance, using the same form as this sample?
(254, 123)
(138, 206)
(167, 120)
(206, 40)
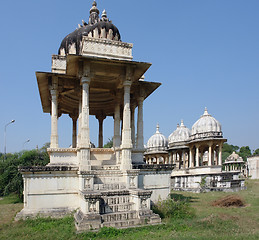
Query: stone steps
(119, 216)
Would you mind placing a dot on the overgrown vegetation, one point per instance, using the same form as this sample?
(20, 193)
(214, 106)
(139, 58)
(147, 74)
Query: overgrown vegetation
(10, 178)
(174, 207)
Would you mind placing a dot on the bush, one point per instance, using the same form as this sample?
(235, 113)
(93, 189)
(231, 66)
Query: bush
(10, 178)
(173, 208)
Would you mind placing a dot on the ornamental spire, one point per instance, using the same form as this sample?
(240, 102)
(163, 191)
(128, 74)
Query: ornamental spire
(205, 111)
(94, 14)
(157, 128)
(182, 125)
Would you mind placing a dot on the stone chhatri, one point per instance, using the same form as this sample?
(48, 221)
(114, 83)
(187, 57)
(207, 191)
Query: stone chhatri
(94, 75)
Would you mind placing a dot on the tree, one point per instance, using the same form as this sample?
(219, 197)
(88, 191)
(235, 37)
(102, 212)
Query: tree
(244, 152)
(227, 149)
(108, 144)
(256, 152)
(10, 178)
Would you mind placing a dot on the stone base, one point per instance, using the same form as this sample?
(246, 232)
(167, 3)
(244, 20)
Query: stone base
(86, 222)
(52, 212)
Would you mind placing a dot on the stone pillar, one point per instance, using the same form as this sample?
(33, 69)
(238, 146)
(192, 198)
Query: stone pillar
(170, 157)
(74, 132)
(126, 144)
(54, 116)
(174, 158)
(197, 156)
(117, 118)
(191, 165)
(166, 159)
(183, 159)
(140, 137)
(85, 134)
(79, 121)
(133, 126)
(220, 154)
(100, 118)
(210, 156)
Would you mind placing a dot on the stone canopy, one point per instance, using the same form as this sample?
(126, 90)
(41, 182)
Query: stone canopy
(105, 87)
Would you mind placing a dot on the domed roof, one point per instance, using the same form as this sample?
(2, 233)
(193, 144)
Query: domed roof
(181, 134)
(157, 142)
(234, 157)
(96, 28)
(206, 126)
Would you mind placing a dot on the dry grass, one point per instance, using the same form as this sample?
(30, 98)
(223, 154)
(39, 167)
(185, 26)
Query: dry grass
(9, 206)
(229, 201)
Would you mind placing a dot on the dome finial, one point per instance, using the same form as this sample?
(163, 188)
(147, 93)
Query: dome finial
(182, 125)
(94, 14)
(206, 111)
(157, 128)
(104, 14)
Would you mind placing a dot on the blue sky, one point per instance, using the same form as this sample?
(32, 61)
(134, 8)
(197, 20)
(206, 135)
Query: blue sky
(204, 52)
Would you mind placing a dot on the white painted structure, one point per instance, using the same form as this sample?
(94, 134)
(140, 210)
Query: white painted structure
(253, 166)
(196, 155)
(94, 74)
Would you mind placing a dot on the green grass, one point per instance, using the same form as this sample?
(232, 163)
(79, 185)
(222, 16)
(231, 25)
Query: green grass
(208, 223)
(11, 199)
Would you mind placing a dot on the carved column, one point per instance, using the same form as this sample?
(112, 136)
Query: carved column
(174, 158)
(74, 119)
(140, 137)
(85, 134)
(210, 155)
(183, 160)
(126, 131)
(100, 118)
(117, 117)
(54, 114)
(220, 154)
(133, 126)
(79, 121)
(197, 156)
(191, 165)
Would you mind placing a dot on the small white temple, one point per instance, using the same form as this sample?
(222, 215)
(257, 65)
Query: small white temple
(94, 74)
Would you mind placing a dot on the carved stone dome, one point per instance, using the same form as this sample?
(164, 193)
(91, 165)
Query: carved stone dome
(157, 142)
(206, 126)
(181, 134)
(96, 28)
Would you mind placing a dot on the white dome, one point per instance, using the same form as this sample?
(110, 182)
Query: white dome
(157, 142)
(181, 134)
(206, 126)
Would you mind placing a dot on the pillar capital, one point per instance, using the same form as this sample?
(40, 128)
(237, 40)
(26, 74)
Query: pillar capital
(129, 73)
(85, 79)
(127, 83)
(53, 92)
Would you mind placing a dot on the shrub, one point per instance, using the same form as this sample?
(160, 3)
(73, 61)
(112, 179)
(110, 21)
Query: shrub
(173, 208)
(10, 178)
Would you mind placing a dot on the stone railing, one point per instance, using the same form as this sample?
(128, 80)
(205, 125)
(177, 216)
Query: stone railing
(206, 135)
(154, 167)
(63, 156)
(47, 168)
